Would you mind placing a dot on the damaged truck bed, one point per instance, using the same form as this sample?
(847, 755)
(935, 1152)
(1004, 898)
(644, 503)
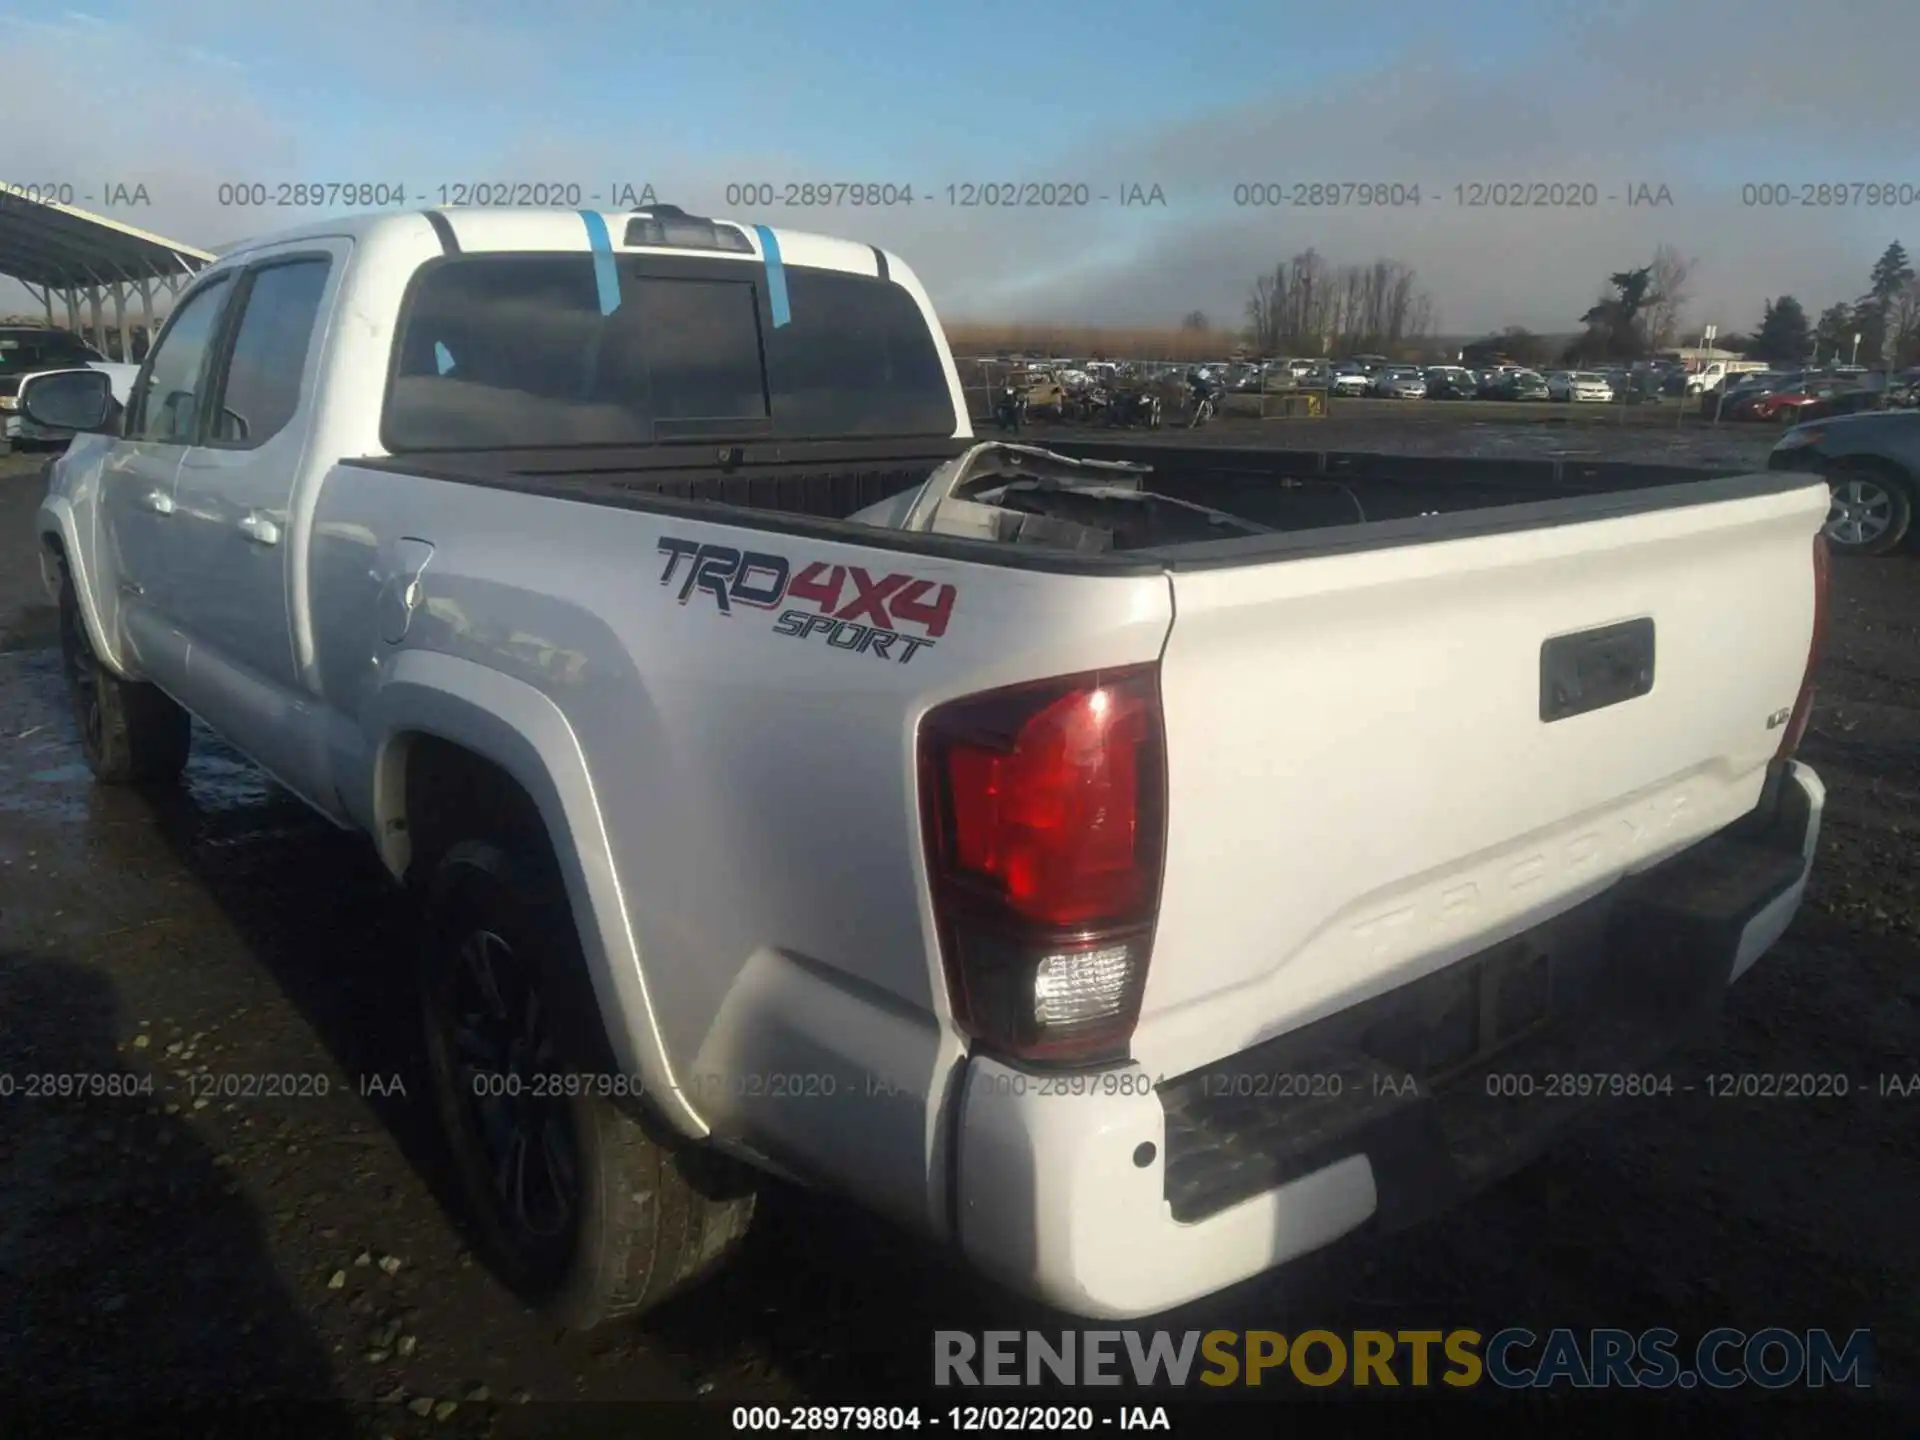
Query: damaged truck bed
(1098, 498)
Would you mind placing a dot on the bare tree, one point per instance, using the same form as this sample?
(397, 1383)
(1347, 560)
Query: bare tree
(1666, 299)
(1306, 306)
(1903, 324)
(1195, 321)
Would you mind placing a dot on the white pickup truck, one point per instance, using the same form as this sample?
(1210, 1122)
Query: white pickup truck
(1712, 376)
(1132, 877)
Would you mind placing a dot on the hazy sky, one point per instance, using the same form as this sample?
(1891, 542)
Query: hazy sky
(182, 96)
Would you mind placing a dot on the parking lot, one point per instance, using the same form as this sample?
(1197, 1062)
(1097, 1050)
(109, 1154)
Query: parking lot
(178, 1243)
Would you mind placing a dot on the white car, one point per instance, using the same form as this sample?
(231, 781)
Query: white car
(1579, 385)
(28, 349)
(1351, 382)
(1079, 875)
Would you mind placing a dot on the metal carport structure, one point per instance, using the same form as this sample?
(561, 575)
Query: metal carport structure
(61, 251)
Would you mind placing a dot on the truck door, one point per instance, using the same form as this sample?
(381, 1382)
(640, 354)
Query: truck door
(138, 505)
(235, 496)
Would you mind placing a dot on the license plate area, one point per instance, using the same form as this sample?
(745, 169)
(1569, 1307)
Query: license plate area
(1464, 1015)
(1595, 668)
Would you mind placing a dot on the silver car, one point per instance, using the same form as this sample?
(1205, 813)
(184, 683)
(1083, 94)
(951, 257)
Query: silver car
(1401, 383)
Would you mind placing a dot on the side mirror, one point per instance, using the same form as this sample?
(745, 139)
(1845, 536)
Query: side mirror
(79, 400)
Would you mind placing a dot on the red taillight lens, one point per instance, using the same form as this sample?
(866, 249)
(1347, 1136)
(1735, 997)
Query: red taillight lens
(1045, 821)
(1052, 819)
(1803, 702)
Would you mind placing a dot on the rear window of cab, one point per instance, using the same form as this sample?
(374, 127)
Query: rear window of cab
(515, 350)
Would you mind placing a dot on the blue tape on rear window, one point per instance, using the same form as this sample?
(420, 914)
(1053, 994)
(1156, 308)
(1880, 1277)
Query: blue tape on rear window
(776, 276)
(442, 357)
(605, 276)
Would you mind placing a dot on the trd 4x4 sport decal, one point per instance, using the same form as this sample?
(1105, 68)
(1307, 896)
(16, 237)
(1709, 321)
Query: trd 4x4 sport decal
(850, 607)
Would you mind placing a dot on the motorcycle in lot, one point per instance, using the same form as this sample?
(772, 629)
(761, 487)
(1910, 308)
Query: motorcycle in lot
(1135, 407)
(1010, 408)
(1092, 404)
(1203, 405)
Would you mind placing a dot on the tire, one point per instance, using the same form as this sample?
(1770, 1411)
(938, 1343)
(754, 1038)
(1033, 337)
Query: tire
(1872, 509)
(623, 1218)
(130, 732)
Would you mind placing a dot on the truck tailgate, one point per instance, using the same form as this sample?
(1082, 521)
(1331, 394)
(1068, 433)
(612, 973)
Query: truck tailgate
(1362, 786)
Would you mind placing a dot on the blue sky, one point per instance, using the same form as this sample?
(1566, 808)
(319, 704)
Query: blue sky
(1700, 96)
(886, 88)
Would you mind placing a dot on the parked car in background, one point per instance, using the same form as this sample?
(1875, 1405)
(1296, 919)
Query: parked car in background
(1350, 378)
(1450, 382)
(1792, 402)
(1855, 395)
(1519, 385)
(1748, 387)
(1575, 384)
(1638, 382)
(1710, 377)
(1872, 465)
(1400, 382)
(28, 349)
(1045, 395)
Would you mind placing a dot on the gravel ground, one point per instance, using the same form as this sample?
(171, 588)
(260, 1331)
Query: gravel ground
(160, 1246)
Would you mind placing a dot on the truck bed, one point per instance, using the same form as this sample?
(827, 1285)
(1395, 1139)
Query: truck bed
(1320, 502)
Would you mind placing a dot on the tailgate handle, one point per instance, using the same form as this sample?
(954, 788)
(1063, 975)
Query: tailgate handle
(1595, 669)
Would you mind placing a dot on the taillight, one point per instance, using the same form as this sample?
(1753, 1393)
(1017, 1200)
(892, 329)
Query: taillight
(1803, 702)
(1044, 809)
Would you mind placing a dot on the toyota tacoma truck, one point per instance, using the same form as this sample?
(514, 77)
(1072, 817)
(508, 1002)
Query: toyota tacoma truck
(1132, 868)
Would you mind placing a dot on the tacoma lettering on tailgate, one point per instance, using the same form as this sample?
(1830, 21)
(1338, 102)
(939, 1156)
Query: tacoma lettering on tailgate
(853, 609)
(1436, 913)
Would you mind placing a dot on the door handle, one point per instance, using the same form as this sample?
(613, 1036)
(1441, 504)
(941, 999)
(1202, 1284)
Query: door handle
(260, 530)
(159, 501)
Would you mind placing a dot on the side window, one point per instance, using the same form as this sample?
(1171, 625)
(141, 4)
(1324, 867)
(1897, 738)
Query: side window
(168, 405)
(261, 389)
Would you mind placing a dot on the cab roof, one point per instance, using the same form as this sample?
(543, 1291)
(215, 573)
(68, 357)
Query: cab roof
(483, 229)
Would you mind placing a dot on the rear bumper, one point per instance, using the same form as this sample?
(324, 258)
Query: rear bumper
(1114, 1196)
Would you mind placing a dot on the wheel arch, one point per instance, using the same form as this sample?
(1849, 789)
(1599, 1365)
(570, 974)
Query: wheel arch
(1906, 475)
(63, 557)
(475, 746)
